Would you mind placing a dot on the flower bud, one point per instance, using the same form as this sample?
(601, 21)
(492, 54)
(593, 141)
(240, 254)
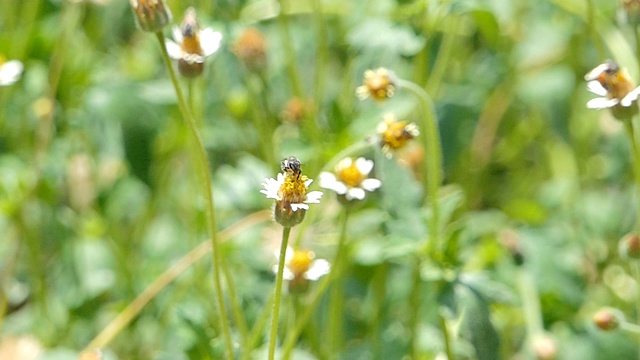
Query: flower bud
(629, 246)
(608, 319)
(631, 12)
(545, 347)
(251, 49)
(151, 15)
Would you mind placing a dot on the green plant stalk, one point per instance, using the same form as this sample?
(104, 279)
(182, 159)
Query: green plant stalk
(636, 35)
(203, 167)
(290, 55)
(258, 326)
(530, 304)
(445, 53)
(336, 301)
(635, 154)
(133, 309)
(379, 285)
(414, 310)
(448, 344)
(433, 164)
(236, 309)
(277, 297)
(631, 328)
(593, 29)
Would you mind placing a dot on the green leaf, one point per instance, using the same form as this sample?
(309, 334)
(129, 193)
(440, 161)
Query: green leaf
(476, 324)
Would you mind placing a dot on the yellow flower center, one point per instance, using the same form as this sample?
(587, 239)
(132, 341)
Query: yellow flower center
(350, 175)
(191, 45)
(396, 135)
(293, 190)
(300, 262)
(379, 85)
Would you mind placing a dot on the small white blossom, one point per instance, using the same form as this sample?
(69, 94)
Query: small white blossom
(351, 178)
(10, 72)
(273, 189)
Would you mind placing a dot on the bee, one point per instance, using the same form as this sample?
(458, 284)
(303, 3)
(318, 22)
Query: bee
(292, 165)
(613, 79)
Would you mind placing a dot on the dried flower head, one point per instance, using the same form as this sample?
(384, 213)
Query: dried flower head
(192, 45)
(151, 15)
(10, 71)
(295, 110)
(394, 134)
(631, 11)
(350, 178)
(251, 49)
(615, 87)
(608, 319)
(379, 84)
(290, 190)
(629, 246)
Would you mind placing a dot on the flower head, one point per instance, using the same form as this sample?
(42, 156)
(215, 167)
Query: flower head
(608, 319)
(251, 49)
(394, 134)
(631, 11)
(10, 71)
(290, 190)
(350, 178)
(301, 266)
(192, 45)
(151, 15)
(379, 84)
(614, 86)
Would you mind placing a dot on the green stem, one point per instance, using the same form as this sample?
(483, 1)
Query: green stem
(336, 302)
(379, 285)
(448, 344)
(593, 29)
(635, 154)
(290, 55)
(530, 304)
(203, 166)
(433, 163)
(241, 322)
(258, 326)
(273, 334)
(414, 310)
(443, 60)
(636, 34)
(629, 327)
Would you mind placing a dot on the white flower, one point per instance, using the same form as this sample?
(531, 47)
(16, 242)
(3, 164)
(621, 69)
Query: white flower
(303, 264)
(191, 46)
(10, 72)
(291, 192)
(351, 178)
(613, 84)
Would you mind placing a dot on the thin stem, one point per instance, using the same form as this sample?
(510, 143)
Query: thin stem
(259, 325)
(433, 163)
(273, 334)
(636, 34)
(448, 345)
(133, 309)
(530, 304)
(290, 55)
(592, 28)
(628, 124)
(241, 322)
(336, 302)
(379, 285)
(443, 60)
(414, 310)
(629, 327)
(203, 166)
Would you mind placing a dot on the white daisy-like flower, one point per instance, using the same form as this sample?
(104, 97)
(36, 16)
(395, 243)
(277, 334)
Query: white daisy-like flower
(191, 46)
(303, 264)
(379, 84)
(613, 84)
(10, 71)
(290, 191)
(351, 178)
(280, 190)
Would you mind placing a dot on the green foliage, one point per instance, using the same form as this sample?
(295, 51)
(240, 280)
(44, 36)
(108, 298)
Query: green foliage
(101, 194)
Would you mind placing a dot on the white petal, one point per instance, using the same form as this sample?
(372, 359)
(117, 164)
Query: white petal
(596, 88)
(593, 74)
(355, 193)
(308, 182)
(177, 34)
(295, 207)
(318, 269)
(370, 184)
(174, 50)
(602, 103)
(340, 188)
(271, 188)
(10, 72)
(364, 165)
(326, 180)
(210, 41)
(313, 197)
(631, 97)
(344, 163)
(286, 273)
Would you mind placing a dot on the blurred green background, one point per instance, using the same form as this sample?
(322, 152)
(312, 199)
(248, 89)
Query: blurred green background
(99, 194)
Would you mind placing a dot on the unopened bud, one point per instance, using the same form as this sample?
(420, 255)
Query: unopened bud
(629, 246)
(608, 319)
(151, 15)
